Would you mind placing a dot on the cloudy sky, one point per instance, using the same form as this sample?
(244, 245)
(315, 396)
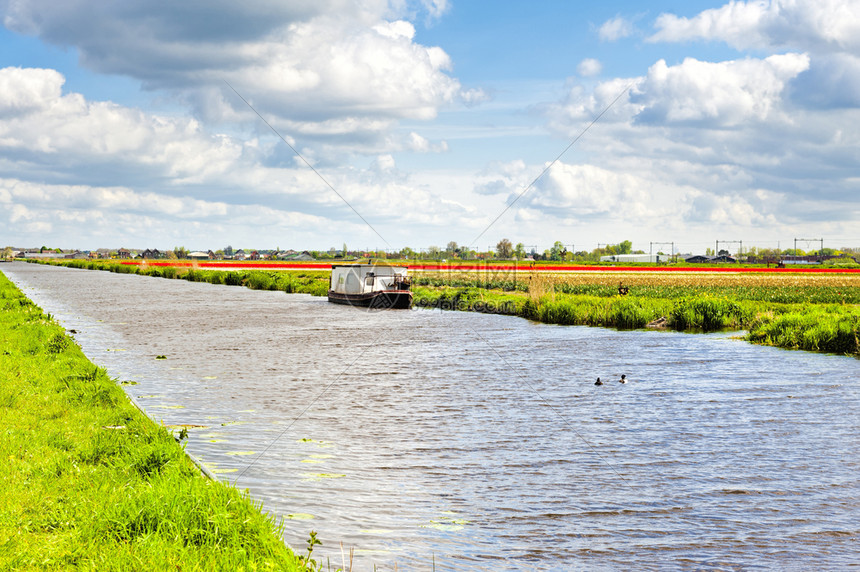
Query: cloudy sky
(420, 122)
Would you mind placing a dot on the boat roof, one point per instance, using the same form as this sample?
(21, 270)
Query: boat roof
(369, 266)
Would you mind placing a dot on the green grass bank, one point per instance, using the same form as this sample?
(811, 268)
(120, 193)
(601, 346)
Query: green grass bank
(822, 316)
(89, 482)
(824, 327)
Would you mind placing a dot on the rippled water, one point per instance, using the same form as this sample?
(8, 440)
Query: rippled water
(479, 442)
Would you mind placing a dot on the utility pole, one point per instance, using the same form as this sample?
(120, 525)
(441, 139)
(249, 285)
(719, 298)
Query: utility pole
(820, 240)
(740, 242)
(651, 248)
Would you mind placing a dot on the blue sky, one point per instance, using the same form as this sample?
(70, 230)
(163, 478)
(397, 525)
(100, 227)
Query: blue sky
(734, 121)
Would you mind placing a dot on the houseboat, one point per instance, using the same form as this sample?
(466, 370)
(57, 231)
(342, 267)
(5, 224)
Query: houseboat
(370, 285)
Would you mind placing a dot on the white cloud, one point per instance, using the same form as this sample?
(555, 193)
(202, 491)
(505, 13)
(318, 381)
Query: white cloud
(815, 25)
(54, 124)
(724, 93)
(299, 62)
(503, 178)
(615, 29)
(589, 67)
(719, 146)
(436, 8)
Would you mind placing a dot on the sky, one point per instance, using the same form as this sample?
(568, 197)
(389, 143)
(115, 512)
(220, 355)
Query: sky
(382, 124)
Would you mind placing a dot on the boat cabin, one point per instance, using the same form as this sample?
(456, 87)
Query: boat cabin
(370, 284)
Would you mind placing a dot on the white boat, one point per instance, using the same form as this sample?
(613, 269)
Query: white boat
(370, 285)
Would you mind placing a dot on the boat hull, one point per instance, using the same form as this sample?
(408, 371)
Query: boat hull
(378, 300)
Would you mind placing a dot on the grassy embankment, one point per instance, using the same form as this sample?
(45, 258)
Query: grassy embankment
(815, 312)
(809, 312)
(90, 482)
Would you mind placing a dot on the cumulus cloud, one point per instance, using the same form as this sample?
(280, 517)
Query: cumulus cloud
(589, 67)
(416, 142)
(127, 162)
(723, 93)
(832, 82)
(724, 144)
(615, 29)
(503, 178)
(87, 212)
(302, 62)
(587, 197)
(41, 122)
(817, 25)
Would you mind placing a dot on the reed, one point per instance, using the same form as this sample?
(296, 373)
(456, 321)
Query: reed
(833, 329)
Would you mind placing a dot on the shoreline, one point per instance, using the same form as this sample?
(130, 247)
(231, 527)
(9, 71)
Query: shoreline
(826, 320)
(90, 480)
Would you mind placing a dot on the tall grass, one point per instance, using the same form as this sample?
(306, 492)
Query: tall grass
(830, 329)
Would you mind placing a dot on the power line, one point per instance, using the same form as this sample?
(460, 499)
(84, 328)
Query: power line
(547, 168)
(299, 155)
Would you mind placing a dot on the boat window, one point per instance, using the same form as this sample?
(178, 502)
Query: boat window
(369, 280)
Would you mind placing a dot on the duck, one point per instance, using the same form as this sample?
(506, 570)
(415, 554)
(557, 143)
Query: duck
(598, 382)
(623, 379)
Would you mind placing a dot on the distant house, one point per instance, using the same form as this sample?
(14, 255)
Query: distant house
(152, 254)
(123, 253)
(239, 255)
(297, 256)
(254, 255)
(198, 255)
(77, 255)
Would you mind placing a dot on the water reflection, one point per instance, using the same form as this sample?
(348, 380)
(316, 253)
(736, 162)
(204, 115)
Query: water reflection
(480, 442)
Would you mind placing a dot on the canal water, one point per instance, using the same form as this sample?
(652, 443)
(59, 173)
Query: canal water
(431, 440)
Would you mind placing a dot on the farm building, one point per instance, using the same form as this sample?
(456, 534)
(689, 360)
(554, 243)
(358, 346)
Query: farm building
(703, 258)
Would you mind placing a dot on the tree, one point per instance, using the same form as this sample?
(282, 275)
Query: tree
(228, 250)
(434, 252)
(504, 249)
(557, 251)
(181, 252)
(344, 250)
(7, 253)
(624, 247)
(407, 253)
(452, 249)
(520, 251)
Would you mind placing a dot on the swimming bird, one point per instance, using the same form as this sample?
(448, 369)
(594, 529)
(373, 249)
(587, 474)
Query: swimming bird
(598, 382)
(623, 379)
